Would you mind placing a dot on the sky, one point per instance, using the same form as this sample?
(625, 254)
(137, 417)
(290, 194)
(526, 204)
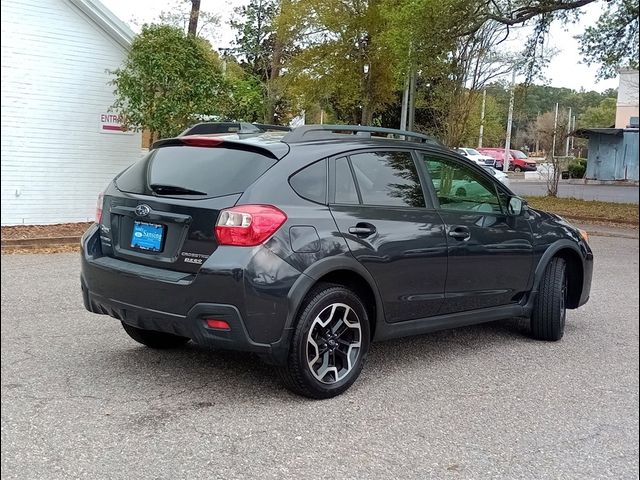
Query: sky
(564, 70)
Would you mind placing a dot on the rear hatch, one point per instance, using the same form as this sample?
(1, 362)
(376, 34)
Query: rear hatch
(162, 210)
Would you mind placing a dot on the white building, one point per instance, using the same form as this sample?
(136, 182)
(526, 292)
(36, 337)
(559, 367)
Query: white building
(60, 148)
(627, 105)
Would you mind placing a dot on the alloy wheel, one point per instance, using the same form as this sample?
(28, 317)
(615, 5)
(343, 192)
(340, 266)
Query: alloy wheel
(333, 343)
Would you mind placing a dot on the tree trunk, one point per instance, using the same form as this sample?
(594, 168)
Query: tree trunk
(273, 74)
(193, 18)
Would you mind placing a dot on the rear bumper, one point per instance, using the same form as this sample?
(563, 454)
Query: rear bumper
(246, 287)
(192, 325)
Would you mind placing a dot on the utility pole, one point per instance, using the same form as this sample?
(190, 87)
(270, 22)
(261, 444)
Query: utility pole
(507, 143)
(555, 131)
(573, 129)
(484, 101)
(411, 110)
(405, 104)
(566, 151)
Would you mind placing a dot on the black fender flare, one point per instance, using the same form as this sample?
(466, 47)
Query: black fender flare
(546, 257)
(307, 280)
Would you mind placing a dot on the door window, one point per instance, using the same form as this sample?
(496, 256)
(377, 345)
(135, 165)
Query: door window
(388, 179)
(346, 192)
(460, 187)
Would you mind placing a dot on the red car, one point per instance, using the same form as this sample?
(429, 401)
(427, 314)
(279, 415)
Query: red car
(518, 161)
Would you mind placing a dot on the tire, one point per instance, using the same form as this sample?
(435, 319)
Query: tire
(517, 169)
(344, 344)
(549, 311)
(154, 339)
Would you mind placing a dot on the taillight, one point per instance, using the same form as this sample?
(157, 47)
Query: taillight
(248, 225)
(99, 207)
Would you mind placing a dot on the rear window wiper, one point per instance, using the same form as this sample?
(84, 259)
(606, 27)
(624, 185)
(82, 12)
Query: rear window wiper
(174, 190)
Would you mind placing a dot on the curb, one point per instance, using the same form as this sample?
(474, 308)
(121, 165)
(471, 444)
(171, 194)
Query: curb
(39, 241)
(579, 218)
(600, 233)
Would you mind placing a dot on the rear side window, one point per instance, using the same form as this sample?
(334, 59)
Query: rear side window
(388, 178)
(200, 171)
(311, 182)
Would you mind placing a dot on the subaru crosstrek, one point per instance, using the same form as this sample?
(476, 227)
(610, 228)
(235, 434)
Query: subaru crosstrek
(304, 247)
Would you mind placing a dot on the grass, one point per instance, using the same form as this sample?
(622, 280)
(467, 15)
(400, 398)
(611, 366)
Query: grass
(588, 210)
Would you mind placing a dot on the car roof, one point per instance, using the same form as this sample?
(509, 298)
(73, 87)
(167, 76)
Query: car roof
(324, 142)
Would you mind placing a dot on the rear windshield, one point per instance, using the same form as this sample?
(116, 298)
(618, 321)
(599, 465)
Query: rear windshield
(194, 171)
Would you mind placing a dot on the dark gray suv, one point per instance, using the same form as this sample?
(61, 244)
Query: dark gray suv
(304, 247)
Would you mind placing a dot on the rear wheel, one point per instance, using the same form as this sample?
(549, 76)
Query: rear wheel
(154, 339)
(550, 310)
(329, 345)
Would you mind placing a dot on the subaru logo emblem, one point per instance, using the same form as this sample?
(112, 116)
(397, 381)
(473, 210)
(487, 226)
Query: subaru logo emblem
(143, 210)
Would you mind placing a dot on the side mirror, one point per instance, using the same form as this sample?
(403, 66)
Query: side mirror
(515, 206)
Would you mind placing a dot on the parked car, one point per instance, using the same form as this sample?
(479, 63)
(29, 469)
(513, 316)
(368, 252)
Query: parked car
(499, 174)
(518, 161)
(307, 247)
(476, 156)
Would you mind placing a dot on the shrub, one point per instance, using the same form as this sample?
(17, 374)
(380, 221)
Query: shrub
(578, 168)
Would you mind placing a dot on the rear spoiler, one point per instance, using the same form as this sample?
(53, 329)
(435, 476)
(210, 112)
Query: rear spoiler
(275, 150)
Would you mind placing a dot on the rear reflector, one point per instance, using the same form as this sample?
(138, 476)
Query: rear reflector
(248, 225)
(200, 141)
(217, 324)
(99, 207)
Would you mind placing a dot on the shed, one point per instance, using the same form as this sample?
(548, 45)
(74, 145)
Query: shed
(612, 153)
(60, 144)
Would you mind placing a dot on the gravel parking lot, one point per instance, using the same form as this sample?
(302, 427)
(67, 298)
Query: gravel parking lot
(82, 400)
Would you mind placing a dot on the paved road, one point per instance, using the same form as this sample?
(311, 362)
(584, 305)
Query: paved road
(79, 399)
(607, 193)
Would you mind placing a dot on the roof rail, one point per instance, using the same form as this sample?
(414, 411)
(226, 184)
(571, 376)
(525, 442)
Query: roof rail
(266, 127)
(322, 132)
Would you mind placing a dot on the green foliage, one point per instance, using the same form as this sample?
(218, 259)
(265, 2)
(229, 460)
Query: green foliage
(578, 168)
(247, 94)
(168, 80)
(342, 62)
(613, 42)
(255, 34)
(601, 115)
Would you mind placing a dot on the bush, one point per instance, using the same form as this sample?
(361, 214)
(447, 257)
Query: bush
(578, 168)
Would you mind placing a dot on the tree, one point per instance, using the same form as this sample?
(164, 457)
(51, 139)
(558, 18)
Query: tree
(179, 15)
(341, 58)
(193, 17)
(548, 134)
(613, 42)
(263, 48)
(602, 115)
(168, 80)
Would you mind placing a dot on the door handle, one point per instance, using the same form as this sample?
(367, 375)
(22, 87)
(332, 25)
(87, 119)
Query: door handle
(460, 233)
(363, 229)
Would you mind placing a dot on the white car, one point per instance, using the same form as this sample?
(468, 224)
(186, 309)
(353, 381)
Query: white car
(476, 156)
(499, 174)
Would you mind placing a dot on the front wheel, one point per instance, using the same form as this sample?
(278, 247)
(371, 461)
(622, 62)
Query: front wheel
(549, 313)
(329, 345)
(517, 169)
(154, 339)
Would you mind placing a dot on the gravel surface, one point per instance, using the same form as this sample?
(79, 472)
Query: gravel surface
(82, 400)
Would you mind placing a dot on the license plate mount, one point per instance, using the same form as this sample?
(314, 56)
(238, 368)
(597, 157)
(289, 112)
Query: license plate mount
(147, 236)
